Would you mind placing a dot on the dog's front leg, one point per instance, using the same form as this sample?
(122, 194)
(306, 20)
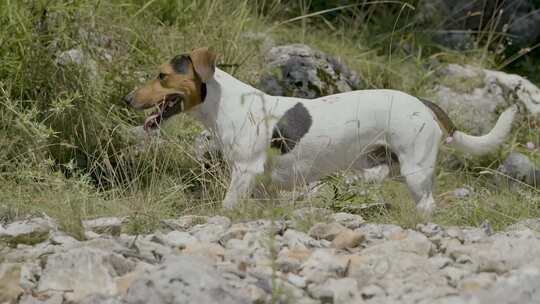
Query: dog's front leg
(243, 177)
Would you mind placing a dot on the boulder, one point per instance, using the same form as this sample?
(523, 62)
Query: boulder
(29, 232)
(297, 70)
(468, 92)
(183, 280)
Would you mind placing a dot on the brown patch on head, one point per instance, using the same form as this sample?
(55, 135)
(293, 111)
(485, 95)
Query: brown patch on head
(179, 86)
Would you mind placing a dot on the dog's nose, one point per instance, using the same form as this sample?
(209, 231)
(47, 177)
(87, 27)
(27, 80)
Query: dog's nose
(129, 98)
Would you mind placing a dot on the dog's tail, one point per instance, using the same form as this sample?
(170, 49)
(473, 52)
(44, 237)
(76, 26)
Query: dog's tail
(475, 145)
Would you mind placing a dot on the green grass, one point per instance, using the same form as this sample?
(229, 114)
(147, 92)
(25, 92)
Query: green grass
(68, 149)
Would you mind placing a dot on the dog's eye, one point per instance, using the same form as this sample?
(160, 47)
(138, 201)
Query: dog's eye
(161, 76)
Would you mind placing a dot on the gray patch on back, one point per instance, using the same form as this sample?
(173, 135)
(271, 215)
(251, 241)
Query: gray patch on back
(291, 127)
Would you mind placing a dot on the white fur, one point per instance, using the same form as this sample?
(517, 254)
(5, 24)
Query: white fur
(345, 128)
(480, 145)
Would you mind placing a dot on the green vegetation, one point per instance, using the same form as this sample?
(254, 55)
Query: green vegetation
(67, 143)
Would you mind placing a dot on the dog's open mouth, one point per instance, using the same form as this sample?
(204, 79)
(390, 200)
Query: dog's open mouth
(172, 104)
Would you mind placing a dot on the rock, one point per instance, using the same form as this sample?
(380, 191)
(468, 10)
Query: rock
(104, 225)
(430, 230)
(291, 260)
(440, 261)
(324, 231)
(310, 212)
(223, 221)
(73, 56)
(526, 224)
(461, 193)
(10, 288)
(49, 297)
(343, 290)
(28, 232)
(519, 286)
(178, 239)
(476, 282)
(351, 221)
(348, 239)
(499, 253)
(298, 239)
(100, 299)
(518, 167)
(296, 280)
(210, 250)
(61, 238)
(208, 232)
(237, 231)
(84, 271)
(297, 70)
(184, 223)
(323, 264)
(467, 93)
(183, 280)
(377, 232)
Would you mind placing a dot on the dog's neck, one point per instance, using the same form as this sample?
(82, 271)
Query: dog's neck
(224, 95)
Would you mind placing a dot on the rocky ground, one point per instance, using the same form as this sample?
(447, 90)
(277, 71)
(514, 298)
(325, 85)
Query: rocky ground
(197, 259)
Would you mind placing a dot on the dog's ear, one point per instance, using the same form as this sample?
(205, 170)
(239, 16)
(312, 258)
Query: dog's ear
(204, 63)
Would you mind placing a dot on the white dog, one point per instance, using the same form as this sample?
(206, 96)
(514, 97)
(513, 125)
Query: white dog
(311, 138)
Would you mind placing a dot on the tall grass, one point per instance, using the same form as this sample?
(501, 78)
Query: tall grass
(68, 144)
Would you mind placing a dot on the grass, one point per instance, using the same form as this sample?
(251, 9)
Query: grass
(68, 146)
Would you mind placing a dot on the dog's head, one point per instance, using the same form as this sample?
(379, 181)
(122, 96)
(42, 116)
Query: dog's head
(178, 87)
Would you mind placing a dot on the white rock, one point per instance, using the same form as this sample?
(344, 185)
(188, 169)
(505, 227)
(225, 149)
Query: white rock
(104, 225)
(351, 221)
(323, 264)
(298, 239)
(296, 280)
(178, 239)
(30, 231)
(83, 270)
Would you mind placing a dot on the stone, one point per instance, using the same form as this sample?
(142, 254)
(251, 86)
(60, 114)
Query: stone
(236, 231)
(296, 70)
(73, 56)
(104, 225)
(183, 280)
(184, 223)
(476, 282)
(31, 231)
(10, 288)
(296, 280)
(467, 92)
(518, 168)
(49, 297)
(343, 290)
(83, 270)
(323, 264)
(461, 193)
(298, 239)
(219, 220)
(348, 239)
(208, 232)
(291, 260)
(526, 224)
(325, 231)
(499, 253)
(210, 250)
(100, 299)
(351, 221)
(178, 239)
(61, 238)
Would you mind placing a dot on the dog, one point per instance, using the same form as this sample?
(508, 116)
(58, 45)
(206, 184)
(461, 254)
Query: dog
(296, 141)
